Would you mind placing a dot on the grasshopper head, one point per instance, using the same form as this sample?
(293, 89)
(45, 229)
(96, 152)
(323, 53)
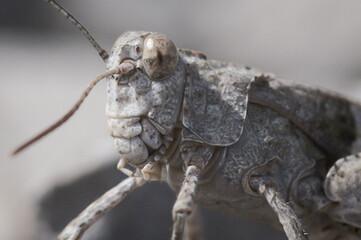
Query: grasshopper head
(145, 85)
(144, 101)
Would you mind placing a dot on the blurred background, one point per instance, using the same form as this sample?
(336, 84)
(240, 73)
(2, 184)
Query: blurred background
(45, 64)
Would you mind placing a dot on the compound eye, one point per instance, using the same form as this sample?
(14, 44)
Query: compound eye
(160, 56)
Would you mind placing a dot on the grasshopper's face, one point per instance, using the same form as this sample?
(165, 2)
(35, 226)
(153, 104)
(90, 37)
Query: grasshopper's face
(144, 102)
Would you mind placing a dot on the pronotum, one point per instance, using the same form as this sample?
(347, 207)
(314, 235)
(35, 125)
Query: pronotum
(227, 137)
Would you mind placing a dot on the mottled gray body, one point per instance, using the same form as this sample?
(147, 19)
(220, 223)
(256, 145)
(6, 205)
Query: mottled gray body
(231, 138)
(270, 144)
(273, 145)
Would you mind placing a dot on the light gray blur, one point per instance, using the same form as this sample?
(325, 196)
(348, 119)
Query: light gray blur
(45, 63)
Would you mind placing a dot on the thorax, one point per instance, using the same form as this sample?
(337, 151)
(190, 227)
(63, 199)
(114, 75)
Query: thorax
(269, 145)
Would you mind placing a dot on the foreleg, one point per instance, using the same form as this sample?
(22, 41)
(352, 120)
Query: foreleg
(184, 203)
(76, 228)
(287, 217)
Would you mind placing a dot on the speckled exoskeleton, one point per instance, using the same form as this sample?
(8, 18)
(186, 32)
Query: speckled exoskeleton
(230, 138)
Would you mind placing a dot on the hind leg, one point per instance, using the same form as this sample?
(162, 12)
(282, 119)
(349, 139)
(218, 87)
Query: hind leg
(343, 186)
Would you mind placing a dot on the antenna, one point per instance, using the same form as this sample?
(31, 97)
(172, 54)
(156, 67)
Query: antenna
(102, 53)
(70, 113)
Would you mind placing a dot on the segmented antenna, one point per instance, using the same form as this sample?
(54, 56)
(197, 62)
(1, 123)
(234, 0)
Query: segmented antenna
(102, 53)
(69, 113)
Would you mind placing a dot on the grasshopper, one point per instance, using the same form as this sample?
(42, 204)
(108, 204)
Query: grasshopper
(227, 137)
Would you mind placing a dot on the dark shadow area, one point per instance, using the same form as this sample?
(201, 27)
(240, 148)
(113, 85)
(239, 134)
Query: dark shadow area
(144, 214)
